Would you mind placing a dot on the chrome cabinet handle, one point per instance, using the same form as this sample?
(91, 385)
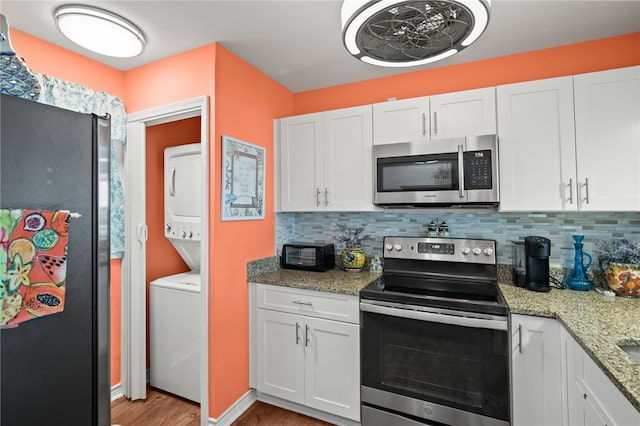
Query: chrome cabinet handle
(326, 196)
(297, 333)
(570, 190)
(318, 197)
(424, 124)
(519, 338)
(460, 171)
(435, 123)
(300, 302)
(586, 187)
(306, 335)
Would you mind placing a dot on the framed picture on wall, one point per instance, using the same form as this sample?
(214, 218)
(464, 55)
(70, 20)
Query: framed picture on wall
(242, 180)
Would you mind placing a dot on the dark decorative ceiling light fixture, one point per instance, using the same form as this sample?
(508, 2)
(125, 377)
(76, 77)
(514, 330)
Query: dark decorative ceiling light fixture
(394, 33)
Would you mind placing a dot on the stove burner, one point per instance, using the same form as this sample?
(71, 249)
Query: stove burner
(443, 278)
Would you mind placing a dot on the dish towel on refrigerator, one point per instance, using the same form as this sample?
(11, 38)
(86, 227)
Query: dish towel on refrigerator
(33, 264)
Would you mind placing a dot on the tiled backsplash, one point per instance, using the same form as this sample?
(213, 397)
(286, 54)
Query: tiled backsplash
(502, 227)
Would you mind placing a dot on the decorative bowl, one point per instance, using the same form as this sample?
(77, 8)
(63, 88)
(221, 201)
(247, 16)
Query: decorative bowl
(623, 278)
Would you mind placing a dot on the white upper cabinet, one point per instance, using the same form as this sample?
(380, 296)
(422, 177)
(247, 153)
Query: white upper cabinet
(301, 168)
(401, 121)
(571, 143)
(467, 113)
(457, 114)
(325, 161)
(536, 145)
(607, 113)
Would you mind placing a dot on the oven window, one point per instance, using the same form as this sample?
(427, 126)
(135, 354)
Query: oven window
(461, 367)
(418, 173)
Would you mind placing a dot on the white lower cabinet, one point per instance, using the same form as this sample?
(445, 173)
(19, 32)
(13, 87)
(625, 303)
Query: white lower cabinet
(593, 399)
(536, 371)
(555, 382)
(304, 358)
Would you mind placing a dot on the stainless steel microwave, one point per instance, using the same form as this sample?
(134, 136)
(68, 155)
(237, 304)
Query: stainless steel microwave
(459, 172)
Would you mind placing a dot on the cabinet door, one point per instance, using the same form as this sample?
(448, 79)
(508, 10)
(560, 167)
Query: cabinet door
(300, 153)
(348, 158)
(593, 399)
(332, 365)
(607, 107)
(536, 371)
(280, 355)
(537, 145)
(406, 120)
(467, 113)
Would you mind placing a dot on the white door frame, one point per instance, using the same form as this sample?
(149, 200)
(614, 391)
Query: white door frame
(133, 358)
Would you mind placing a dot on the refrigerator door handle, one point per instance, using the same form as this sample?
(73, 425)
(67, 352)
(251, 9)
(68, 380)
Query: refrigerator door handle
(143, 232)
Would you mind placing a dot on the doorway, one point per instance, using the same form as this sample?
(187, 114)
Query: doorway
(134, 288)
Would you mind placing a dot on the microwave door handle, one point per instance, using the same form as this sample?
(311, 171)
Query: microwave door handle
(461, 171)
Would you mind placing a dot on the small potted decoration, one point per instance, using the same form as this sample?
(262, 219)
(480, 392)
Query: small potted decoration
(620, 261)
(352, 256)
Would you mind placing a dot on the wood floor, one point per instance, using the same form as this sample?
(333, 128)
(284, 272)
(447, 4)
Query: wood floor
(164, 409)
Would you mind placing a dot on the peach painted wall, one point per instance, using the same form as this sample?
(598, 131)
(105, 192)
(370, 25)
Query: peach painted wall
(613, 52)
(246, 101)
(162, 258)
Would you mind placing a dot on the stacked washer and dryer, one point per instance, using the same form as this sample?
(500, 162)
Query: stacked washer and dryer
(174, 301)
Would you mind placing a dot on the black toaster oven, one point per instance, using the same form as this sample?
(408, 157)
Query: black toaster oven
(308, 256)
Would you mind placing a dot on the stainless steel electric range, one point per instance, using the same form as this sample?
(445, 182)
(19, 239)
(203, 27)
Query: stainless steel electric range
(434, 336)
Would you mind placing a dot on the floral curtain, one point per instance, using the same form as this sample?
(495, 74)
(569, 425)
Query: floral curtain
(75, 97)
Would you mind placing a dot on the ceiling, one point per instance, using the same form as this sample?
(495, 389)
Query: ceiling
(298, 42)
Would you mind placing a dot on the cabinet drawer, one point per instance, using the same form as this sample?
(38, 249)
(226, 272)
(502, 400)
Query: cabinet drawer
(339, 307)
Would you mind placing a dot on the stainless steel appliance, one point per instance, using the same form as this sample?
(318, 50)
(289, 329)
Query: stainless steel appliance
(457, 172)
(537, 251)
(55, 370)
(308, 256)
(434, 336)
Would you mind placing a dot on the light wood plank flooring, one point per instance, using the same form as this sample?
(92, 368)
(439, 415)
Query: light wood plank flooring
(164, 409)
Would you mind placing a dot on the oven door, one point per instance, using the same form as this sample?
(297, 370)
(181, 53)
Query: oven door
(434, 364)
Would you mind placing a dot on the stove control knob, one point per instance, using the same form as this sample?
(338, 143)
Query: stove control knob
(488, 251)
(477, 250)
(389, 247)
(397, 247)
(465, 250)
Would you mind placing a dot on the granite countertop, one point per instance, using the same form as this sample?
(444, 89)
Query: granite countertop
(332, 281)
(598, 323)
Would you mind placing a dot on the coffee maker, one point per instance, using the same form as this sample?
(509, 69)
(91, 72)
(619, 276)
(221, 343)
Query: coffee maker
(537, 251)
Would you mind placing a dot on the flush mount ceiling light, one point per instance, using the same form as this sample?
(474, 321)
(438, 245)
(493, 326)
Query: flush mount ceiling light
(99, 31)
(395, 33)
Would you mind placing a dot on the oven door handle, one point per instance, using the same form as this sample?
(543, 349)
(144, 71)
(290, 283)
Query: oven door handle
(486, 323)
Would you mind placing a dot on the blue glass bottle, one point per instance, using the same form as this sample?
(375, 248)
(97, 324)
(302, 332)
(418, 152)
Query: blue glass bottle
(579, 279)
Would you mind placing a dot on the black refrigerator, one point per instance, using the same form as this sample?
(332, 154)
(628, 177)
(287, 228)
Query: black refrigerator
(55, 370)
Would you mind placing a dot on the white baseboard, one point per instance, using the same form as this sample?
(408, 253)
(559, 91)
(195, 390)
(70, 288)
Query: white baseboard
(235, 411)
(116, 392)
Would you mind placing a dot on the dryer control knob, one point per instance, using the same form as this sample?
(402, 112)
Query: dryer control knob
(397, 247)
(465, 250)
(477, 250)
(389, 247)
(168, 226)
(190, 234)
(488, 251)
(184, 234)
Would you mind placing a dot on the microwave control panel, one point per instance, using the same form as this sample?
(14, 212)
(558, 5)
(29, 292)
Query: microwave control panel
(477, 170)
